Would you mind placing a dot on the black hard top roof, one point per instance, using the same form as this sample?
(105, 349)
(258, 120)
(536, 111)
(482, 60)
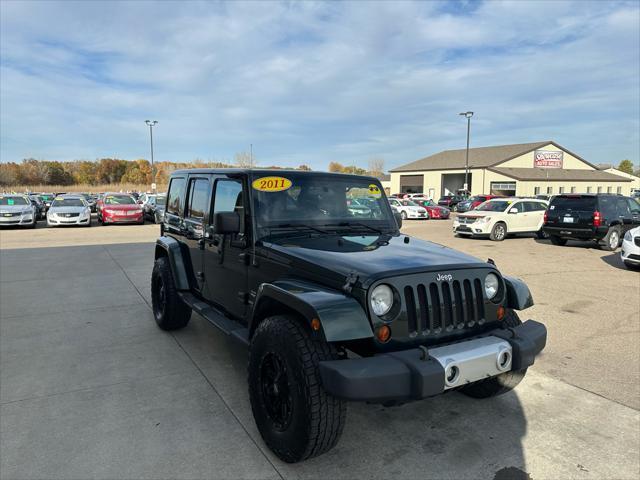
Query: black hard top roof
(265, 171)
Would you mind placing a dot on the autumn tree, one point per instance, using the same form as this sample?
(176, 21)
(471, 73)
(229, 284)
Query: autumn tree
(244, 160)
(626, 166)
(376, 166)
(336, 167)
(304, 167)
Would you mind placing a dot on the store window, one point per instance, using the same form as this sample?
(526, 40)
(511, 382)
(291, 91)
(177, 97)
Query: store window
(573, 189)
(561, 190)
(599, 189)
(549, 190)
(608, 189)
(619, 190)
(536, 191)
(588, 189)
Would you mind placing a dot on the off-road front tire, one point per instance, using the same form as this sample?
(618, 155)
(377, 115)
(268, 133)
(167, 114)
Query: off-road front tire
(498, 232)
(295, 416)
(170, 312)
(556, 240)
(502, 383)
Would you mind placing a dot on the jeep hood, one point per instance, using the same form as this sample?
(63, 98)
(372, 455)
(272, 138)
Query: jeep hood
(371, 257)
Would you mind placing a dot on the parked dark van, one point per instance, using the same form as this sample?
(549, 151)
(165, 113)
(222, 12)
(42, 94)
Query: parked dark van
(597, 217)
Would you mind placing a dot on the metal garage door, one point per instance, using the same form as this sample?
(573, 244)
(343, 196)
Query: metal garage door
(411, 183)
(507, 189)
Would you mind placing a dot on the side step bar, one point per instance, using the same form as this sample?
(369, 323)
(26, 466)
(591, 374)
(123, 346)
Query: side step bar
(217, 318)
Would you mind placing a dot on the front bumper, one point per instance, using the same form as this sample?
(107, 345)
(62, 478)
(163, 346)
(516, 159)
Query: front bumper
(473, 229)
(59, 221)
(630, 252)
(113, 218)
(27, 219)
(414, 215)
(420, 373)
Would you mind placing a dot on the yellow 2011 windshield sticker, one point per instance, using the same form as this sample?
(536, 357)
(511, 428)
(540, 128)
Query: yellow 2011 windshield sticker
(374, 191)
(271, 184)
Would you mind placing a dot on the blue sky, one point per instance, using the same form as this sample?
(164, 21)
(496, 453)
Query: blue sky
(316, 82)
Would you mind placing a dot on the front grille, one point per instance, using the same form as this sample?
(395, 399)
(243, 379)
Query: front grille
(636, 240)
(441, 307)
(10, 214)
(69, 215)
(466, 220)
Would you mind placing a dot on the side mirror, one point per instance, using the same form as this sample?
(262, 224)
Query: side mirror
(398, 216)
(226, 222)
(513, 210)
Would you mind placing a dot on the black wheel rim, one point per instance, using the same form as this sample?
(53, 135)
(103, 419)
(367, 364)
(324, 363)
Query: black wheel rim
(276, 391)
(160, 297)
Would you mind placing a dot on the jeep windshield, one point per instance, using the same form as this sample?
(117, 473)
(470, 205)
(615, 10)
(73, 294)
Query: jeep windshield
(319, 203)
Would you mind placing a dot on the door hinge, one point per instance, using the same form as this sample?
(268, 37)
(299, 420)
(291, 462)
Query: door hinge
(352, 278)
(243, 297)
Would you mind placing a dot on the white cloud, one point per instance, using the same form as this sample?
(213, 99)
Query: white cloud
(314, 82)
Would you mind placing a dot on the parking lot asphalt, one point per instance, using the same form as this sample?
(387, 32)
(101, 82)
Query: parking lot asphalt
(91, 388)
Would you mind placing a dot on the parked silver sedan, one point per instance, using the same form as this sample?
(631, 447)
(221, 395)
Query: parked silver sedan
(69, 210)
(17, 210)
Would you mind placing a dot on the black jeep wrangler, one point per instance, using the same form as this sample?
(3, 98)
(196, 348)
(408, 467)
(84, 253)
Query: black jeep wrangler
(333, 302)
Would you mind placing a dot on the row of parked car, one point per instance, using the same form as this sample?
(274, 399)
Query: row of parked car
(611, 221)
(66, 209)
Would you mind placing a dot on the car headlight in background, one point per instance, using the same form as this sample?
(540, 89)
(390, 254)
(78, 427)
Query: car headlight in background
(381, 299)
(627, 236)
(491, 285)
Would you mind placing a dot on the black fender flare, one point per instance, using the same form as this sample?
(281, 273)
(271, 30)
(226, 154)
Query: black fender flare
(170, 248)
(518, 294)
(341, 317)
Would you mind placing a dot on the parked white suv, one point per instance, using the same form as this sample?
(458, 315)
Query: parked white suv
(499, 217)
(408, 209)
(630, 252)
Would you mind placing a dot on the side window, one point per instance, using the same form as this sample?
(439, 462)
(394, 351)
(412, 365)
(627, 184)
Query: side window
(228, 198)
(623, 207)
(634, 206)
(175, 196)
(198, 198)
(518, 206)
(608, 207)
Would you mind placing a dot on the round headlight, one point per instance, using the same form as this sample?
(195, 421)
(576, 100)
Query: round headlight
(491, 285)
(381, 299)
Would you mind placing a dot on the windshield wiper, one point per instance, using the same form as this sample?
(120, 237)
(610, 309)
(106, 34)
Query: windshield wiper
(298, 227)
(356, 224)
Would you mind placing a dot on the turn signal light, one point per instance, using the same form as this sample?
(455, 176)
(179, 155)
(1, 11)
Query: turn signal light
(383, 334)
(315, 324)
(501, 312)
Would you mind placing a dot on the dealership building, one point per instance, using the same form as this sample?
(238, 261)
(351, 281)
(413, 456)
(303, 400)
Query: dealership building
(541, 168)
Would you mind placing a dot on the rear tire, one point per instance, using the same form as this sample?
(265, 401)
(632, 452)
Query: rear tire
(612, 240)
(296, 417)
(498, 232)
(170, 312)
(556, 240)
(542, 235)
(502, 383)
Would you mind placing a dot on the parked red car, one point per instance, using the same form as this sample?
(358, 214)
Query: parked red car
(119, 208)
(433, 209)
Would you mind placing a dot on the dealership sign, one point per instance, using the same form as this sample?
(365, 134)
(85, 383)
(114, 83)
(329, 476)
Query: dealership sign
(547, 159)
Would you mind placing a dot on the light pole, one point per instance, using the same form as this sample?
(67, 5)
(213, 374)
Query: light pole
(466, 161)
(151, 124)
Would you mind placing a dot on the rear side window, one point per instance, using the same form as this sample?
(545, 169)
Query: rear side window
(623, 207)
(574, 203)
(608, 207)
(175, 196)
(198, 198)
(634, 206)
